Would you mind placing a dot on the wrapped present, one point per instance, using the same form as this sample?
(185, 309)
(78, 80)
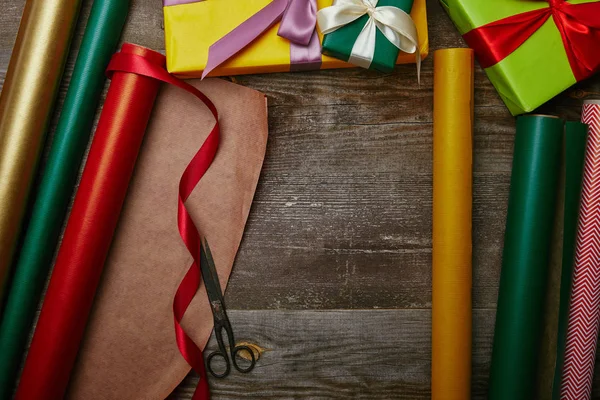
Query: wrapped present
(359, 42)
(217, 37)
(531, 50)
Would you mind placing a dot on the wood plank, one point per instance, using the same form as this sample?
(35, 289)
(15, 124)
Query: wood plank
(362, 354)
(374, 354)
(360, 242)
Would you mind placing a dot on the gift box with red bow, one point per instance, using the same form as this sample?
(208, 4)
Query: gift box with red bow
(531, 50)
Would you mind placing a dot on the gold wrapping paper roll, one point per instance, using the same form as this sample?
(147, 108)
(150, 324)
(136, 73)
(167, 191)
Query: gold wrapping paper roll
(452, 212)
(26, 104)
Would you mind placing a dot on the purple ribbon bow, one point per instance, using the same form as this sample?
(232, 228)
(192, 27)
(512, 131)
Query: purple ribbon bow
(298, 25)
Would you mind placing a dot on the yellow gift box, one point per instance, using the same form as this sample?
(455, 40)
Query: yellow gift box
(190, 29)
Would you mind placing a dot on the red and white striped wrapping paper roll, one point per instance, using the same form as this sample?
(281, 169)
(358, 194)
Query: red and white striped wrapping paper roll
(584, 307)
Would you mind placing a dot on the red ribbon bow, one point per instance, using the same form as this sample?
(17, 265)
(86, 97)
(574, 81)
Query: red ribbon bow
(578, 24)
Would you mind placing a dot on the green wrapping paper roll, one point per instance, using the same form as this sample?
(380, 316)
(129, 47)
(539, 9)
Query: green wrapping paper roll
(575, 145)
(561, 258)
(100, 40)
(528, 236)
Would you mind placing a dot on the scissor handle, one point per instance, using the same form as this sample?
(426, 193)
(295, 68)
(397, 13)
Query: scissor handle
(210, 369)
(234, 353)
(222, 352)
(235, 350)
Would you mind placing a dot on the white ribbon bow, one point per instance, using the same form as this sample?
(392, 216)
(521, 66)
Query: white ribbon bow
(397, 26)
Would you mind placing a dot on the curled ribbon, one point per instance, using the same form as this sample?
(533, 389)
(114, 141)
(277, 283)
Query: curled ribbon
(188, 231)
(396, 25)
(298, 22)
(578, 24)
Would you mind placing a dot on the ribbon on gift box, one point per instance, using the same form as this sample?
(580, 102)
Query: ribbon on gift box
(298, 22)
(578, 24)
(395, 24)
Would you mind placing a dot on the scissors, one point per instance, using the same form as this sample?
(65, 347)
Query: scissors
(217, 305)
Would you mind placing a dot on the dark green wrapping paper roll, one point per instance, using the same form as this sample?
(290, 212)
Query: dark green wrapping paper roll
(575, 144)
(530, 219)
(100, 40)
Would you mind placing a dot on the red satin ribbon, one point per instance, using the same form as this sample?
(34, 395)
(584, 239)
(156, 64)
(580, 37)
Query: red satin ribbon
(188, 231)
(578, 24)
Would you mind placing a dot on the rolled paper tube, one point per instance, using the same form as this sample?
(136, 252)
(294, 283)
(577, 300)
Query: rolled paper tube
(551, 343)
(584, 307)
(575, 144)
(71, 137)
(26, 103)
(452, 211)
(527, 241)
(89, 231)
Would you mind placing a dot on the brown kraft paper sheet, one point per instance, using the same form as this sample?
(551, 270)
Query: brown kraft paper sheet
(129, 351)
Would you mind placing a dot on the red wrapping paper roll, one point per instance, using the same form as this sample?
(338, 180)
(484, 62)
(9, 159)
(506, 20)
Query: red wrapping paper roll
(89, 232)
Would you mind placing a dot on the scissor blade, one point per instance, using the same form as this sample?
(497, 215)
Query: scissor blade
(213, 289)
(213, 269)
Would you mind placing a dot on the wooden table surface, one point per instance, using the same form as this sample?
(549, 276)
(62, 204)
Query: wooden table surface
(333, 277)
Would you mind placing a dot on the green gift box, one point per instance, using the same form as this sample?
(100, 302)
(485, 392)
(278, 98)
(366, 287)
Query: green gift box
(542, 66)
(339, 44)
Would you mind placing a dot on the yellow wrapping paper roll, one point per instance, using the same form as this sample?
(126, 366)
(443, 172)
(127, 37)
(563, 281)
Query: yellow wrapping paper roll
(26, 104)
(452, 212)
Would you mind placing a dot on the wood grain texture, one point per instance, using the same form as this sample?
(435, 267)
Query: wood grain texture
(342, 220)
(358, 354)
